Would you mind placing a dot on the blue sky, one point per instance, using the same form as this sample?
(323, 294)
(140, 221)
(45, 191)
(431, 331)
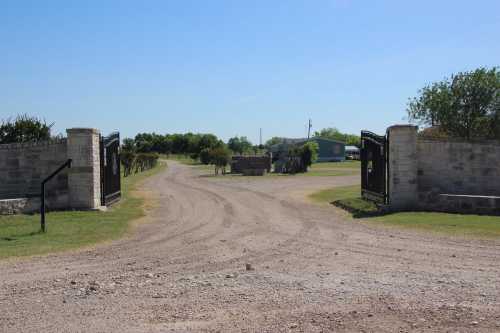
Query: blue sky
(231, 67)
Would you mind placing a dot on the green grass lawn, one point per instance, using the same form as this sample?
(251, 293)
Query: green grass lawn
(20, 234)
(337, 165)
(348, 197)
(326, 169)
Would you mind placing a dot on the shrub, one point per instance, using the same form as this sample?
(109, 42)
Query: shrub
(308, 154)
(145, 161)
(137, 162)
(300, 158)
(127, 159)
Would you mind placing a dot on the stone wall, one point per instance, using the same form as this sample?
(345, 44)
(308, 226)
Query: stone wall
(458, 175)
(24, 166)
(458, 167)
(84, 175)
(241, 163)
(442, 175)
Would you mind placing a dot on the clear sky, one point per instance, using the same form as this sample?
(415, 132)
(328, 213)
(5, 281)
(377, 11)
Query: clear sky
(231, 67)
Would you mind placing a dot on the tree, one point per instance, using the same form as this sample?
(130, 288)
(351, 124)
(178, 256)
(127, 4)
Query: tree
(24, 128)
(239, 145)
(180, 144)
(467, 105)
(199, 142)
(334, 134)
(205, 156)
(308, 154)
(220, 157)
(144, 142)
(300, 158)
(273, 141)
(128, 144)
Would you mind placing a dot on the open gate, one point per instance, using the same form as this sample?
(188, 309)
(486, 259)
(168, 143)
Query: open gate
(374, 157)
(110, 169)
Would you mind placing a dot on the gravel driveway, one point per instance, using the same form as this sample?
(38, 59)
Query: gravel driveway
(248, 255)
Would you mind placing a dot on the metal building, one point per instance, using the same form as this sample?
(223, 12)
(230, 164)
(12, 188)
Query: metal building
(329, 150)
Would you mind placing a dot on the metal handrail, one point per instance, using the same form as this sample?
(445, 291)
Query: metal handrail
(42, 194)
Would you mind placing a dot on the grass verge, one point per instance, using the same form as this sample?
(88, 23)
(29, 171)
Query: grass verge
(20, 234)
(348, 198)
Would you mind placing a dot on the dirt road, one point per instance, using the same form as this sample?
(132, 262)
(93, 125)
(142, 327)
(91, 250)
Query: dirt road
(311, 270)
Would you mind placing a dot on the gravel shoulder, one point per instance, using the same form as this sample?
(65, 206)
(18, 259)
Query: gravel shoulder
(309, 269)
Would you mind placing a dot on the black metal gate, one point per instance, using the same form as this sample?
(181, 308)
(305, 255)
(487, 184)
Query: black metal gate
(110, 169)
(374, 157)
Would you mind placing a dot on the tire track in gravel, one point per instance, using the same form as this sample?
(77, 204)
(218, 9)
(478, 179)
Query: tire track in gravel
(336, 224)
(172, 273)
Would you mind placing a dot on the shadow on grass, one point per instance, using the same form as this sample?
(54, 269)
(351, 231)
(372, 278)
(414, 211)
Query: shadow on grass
(359, 208)
(19, 236)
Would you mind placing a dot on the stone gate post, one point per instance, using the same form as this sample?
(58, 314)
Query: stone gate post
(403, 187)
(84, 177)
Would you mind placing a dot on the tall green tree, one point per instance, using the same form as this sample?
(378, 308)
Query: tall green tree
(334, 134)
(220, 157)
(273, 141)
(466, 105)
(24, 128)
(308, 154)
(128, 145)
(239, 145)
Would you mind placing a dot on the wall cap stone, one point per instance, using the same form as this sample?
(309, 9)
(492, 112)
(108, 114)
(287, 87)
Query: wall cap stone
(79, 130)
(459, 140)
(402, 126)
(31, 144)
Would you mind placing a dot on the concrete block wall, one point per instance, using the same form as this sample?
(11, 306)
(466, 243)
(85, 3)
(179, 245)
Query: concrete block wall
(458, 168)
(442, 174)
(241, 163)
(23, 166)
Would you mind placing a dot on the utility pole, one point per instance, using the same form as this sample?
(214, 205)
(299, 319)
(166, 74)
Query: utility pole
(309, 129)
(260, 134)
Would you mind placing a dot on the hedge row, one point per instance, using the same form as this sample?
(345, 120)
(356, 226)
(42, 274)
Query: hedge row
(137, 162)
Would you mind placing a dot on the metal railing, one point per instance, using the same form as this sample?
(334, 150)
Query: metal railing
(42, 193)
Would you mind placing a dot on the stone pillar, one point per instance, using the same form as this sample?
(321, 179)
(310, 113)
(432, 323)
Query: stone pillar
(84, 177)
(403, 187)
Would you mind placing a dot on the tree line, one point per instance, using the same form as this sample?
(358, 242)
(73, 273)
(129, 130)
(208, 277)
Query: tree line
(188, 144)
(24, 128)
(207, 148)
(331, 133)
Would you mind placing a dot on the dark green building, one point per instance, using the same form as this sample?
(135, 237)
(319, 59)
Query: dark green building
(329, 150)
